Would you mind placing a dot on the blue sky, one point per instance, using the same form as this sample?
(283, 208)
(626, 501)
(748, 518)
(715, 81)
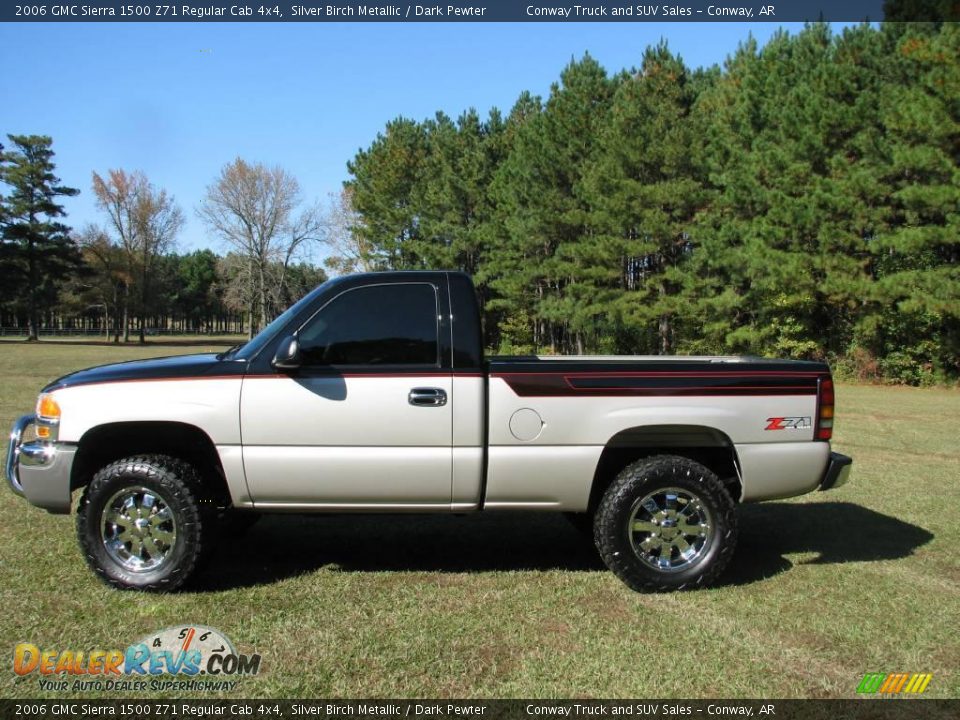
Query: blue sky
(180, 100)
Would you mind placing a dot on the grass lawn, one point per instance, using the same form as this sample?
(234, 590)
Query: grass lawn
(822, 589)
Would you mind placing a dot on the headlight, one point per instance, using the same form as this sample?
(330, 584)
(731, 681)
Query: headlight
(48, 417)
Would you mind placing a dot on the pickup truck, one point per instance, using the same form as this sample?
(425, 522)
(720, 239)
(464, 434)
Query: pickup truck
(372, 395)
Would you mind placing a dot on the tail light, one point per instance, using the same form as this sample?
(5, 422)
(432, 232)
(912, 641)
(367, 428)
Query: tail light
(825, 409)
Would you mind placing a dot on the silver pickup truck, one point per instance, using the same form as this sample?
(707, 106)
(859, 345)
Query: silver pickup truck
(371, 394)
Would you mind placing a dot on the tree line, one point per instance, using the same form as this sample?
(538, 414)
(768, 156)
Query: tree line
(801, 201)
(123, 276)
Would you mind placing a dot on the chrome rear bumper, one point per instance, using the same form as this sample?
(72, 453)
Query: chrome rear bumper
(39, 471)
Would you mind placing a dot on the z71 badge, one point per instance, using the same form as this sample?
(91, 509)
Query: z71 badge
(788, 423)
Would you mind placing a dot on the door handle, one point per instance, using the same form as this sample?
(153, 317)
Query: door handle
(427, 396)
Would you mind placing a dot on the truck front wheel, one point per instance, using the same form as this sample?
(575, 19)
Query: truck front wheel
(142, 524)
(666, 523)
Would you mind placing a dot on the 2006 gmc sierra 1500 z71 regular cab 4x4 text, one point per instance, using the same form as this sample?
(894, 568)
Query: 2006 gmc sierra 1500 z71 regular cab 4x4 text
(371, 394)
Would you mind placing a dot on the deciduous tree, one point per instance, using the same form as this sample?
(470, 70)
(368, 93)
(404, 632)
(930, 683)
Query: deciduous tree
(146, 220)
(256, 210)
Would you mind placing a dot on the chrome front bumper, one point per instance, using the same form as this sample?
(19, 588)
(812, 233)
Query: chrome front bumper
(39, 471)
(838, 471)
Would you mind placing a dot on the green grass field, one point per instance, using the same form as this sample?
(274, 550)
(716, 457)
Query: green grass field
(822, 589)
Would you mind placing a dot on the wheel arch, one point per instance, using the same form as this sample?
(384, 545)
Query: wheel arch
(103, 444)
(703, 444)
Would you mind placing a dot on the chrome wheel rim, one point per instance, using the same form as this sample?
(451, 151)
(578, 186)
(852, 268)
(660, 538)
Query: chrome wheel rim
(138, 529)
(670, 529)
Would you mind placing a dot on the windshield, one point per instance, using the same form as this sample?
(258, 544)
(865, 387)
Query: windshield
(250, 349)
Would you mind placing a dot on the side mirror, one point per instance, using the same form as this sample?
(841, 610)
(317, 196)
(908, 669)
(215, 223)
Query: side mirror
(287, 356)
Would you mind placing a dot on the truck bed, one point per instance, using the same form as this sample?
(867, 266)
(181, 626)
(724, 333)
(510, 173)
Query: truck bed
(728, 404)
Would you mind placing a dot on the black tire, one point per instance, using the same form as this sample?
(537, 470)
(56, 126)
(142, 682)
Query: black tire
(174, 485)
(703, 503)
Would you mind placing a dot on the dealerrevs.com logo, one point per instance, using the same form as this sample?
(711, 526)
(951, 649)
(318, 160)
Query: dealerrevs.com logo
(183, 657)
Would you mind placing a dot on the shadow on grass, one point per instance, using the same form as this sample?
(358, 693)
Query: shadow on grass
(838, 532)
(284, 546)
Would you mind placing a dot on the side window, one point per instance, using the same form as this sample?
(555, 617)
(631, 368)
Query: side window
(375, 325)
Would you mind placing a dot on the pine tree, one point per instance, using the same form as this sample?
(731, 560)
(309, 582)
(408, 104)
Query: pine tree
(509, 316)
(537, 190)
(38, 252)
(644, 189)
(382, 187)
(770, 136)
(801, 201)
(916, 256)
(451, 192)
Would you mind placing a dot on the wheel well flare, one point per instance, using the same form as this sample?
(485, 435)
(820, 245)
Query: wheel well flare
(104, 444)
(706, 445)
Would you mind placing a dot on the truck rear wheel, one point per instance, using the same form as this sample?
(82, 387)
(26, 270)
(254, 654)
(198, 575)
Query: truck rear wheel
(666, 523)
(142, 523)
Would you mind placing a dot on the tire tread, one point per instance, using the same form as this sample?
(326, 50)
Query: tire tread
(181, 481)
(623, 492)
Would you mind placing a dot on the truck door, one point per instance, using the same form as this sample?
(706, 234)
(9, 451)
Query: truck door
(366, 420)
